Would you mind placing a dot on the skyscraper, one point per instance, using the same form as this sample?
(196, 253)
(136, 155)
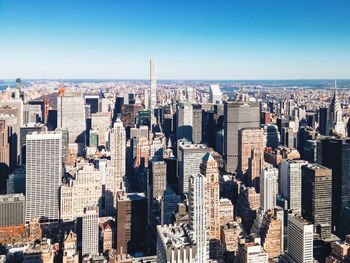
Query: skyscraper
(131, 222)
(268, 188)
(197, 215)
(71, 116)
(317, 198)
(190, 158)
(249, 139)
(335, 154)
(90, 231)
(215, 94)
(335, 120)
(197, 123)
(184, 121)
(43, 175)
(153, 84)
(300, 240)
(12, 210)
(118, 152)
(237, 115)
(209, 168)
(290, 183)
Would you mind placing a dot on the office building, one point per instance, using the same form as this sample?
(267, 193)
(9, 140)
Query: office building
(158, 178)
(255, 166)
(271, 232)
(335, 155)
(184, 118)
(118, 152)
(16, 182)
(249, 139)
(189, 159)
(197, 123)
(226, 211)
(71, 116)
(317, 198)
(89, 244)
(197, 215)
(215, 94)
(12, 210)
(43, 175)
(268, 188)
(300, 240)
(101, 122)
(74, 197)
(251, 251)
(272, 136)
(290, 183)
(131, 223)
(175, 244)
(237, 115)
(153, 84)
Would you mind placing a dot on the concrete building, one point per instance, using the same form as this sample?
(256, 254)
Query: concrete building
(118, 153)
(89, 244)
(215, 94)
(12, 210)
(237, 115)
(184, 127)
(249, 139)
(251, 251)
(71, 116)
(317, 198)
(226, 211)
(158, 178)
(271, 232)
(74, 197)
(197, 123)
(153, 84)
(290, 183)
(335, 154)
(43, 175)
(131, 223)
(198, 215)
(101, 122)
(189, 159)
(209, 168)
(230, 235)
(70, 250)
(268, 188)
(300, 240)
(175, 244)
(272, 136)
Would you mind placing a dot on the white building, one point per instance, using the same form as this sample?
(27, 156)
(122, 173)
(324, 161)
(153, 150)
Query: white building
(290, 183)
(43, 175)
(175, 244)
(189, 159)
(153, 86)
(268, 188)
(215, 94)
(197, 215)
(118, 152)
(71, 116)
(251, 251)
(74, 197)
(90, 231)
(300, 239)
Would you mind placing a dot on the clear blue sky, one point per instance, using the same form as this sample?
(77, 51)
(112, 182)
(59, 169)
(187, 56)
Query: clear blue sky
(236, 39)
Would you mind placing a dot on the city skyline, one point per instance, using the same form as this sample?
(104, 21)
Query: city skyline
(224, 40)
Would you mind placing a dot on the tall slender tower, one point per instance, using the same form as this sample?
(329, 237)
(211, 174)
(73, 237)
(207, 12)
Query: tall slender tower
(209, 168)
(153, 89)
(197, 215)
(117, 147)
